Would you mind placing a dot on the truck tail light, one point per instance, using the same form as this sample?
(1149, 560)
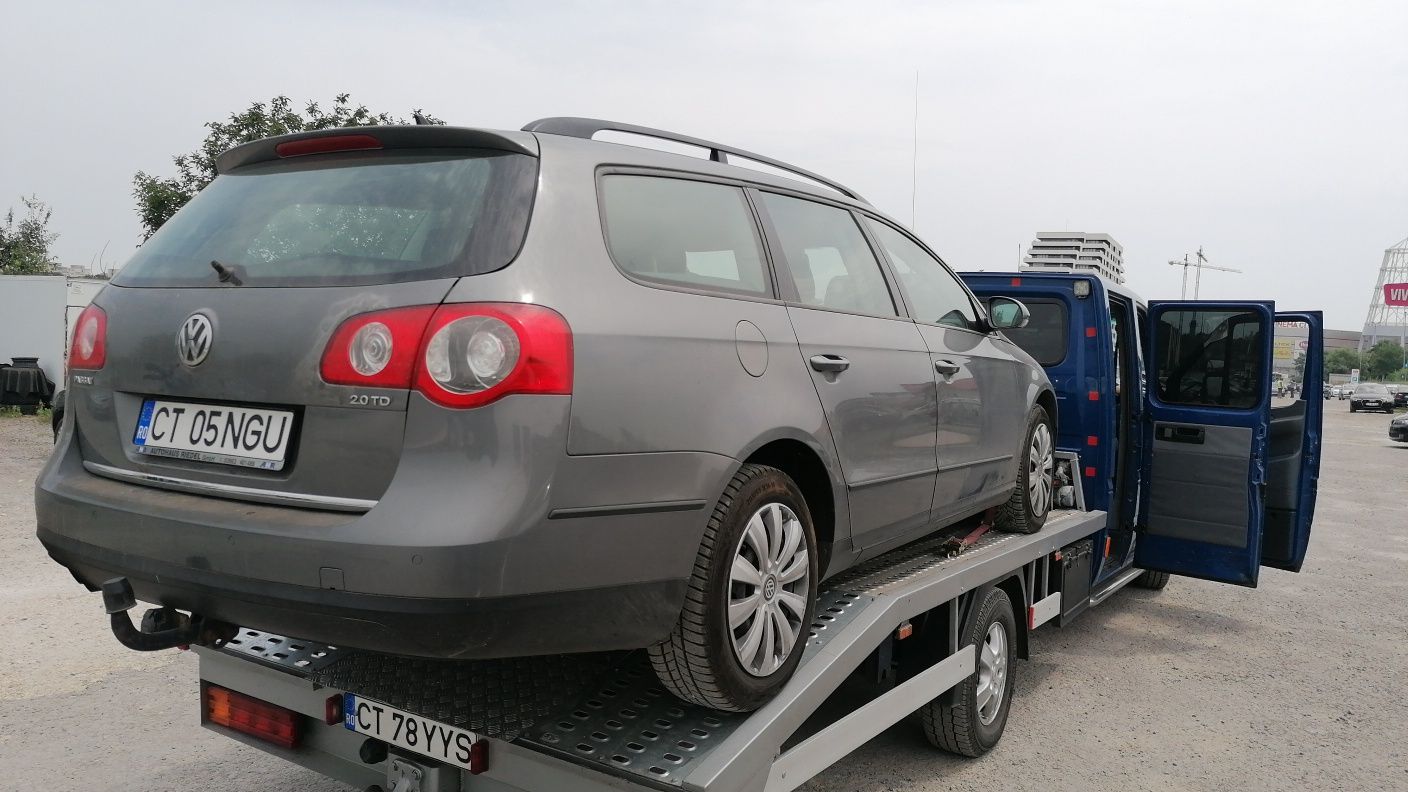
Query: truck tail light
(461, 355)
(90, 340)
(251, 716)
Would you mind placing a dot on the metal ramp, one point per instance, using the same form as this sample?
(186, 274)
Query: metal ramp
(606, 714)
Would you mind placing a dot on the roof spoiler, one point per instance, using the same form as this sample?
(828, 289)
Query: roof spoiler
(388, 137)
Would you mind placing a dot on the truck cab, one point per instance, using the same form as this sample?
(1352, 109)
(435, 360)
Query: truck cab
(1170, 405)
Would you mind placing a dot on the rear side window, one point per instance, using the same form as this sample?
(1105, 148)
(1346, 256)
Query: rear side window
(1046, 335)
(935, 294)
(828, 258)
(346, 220)
(684, 233)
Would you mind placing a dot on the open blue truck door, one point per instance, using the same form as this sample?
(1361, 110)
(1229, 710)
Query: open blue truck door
(1225, 496)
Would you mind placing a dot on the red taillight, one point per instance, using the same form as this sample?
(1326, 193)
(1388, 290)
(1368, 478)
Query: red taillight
(251, 716)
(461, 355)
(90, 340)
(378, 349)
(477, 353)
(323, 145)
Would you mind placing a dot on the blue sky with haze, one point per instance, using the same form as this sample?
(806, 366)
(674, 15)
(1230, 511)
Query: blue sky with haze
(1274, 134)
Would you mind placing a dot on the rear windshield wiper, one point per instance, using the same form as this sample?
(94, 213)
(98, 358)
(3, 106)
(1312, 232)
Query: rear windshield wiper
(228, 273)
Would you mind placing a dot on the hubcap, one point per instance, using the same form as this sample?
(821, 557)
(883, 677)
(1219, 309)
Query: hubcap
(768, 589)
(992, 673)
(1040, 466)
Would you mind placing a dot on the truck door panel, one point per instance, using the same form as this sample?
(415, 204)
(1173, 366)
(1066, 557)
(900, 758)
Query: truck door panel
(1207, 420)
(1293, 470)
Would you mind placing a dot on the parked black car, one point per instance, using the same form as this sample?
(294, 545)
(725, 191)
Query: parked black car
(1370, 396)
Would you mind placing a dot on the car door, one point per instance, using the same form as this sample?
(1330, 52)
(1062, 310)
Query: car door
(1294, 451)
(868, 363)
(981, 385)
(1207, 421)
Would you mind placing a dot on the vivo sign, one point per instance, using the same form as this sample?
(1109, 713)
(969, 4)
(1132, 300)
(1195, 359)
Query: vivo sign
(1396, 294)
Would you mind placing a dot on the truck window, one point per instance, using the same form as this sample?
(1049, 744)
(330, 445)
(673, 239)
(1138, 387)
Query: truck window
(1046, 335)
(1209, 357)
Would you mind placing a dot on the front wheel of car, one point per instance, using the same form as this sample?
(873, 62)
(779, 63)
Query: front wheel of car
(748, 609)
(1025, 512)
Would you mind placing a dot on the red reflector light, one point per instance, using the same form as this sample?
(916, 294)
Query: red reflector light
(1095, 395)
(1090, 472)
(332, 710)
(323, 145)
(1092, 440)
(251, 716)
(1089, 332)
(90, 340)
(1016, 281)
(479, 756)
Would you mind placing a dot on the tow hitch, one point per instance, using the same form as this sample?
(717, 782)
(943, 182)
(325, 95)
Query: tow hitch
(162, 628)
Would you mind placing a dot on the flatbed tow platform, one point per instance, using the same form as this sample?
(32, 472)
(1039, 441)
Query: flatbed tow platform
(602, 721)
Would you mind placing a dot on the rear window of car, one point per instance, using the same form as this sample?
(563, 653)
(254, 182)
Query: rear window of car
(1371, 390)
(346, 220)
(1046, 335)
(676, 232)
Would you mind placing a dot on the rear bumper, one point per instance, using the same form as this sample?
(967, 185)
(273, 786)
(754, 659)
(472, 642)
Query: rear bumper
(528, 551)
(617, 617)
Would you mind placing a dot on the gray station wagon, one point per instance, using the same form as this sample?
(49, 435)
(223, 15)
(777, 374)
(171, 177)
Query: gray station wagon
(463, 393)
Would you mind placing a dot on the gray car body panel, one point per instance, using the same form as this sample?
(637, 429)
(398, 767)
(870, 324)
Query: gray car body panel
(584, 510)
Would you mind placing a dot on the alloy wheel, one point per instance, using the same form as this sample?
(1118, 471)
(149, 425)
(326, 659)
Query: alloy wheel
(1040, 466)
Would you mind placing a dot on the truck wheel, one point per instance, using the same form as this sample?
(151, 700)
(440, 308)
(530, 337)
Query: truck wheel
(751, 598)
(1152, 580)
(969, 719)
(1025, 512)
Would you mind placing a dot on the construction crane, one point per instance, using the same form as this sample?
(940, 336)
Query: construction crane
(1199, 265)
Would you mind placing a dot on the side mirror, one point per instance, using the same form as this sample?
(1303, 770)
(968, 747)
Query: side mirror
(1005, 313)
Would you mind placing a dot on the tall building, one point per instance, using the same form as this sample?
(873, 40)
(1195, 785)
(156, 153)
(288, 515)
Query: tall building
(1075, 251)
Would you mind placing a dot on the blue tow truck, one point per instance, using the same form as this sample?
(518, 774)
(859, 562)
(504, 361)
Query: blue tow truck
(1174, 459)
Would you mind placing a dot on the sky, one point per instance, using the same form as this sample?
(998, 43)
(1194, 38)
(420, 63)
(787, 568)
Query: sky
(1273, 135)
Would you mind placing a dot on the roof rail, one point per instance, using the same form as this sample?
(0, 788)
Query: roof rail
(588, 127)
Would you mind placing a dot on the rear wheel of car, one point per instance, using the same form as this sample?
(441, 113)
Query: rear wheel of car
(1025, 512)
(751, 597)
(969, 719)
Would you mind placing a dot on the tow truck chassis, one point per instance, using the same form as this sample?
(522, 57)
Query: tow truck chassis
(601, 722)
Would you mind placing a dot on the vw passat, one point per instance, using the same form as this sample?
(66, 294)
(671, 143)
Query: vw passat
(466, 393)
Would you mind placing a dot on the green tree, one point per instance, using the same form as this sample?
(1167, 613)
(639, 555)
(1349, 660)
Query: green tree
(1340, 361)
(24, 246)
(1385, 358)
(158, 198)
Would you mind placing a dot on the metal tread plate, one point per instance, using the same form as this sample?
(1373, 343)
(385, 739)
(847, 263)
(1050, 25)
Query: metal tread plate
(632, 727)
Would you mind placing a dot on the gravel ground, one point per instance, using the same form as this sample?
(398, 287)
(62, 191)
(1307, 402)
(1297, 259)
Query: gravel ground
(1297, 685)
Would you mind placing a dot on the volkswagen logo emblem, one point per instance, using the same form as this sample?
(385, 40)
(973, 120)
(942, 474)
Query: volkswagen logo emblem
(194, 338)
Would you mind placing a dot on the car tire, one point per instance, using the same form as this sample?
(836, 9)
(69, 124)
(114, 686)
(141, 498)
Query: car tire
(957, 721)
(1026, 511)
(723, 654)
(1152, 580)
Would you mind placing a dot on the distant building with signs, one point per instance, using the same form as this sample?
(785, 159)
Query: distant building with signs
(1076, 251)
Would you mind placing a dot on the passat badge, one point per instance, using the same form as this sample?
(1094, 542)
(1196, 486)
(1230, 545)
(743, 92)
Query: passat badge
(194, 338)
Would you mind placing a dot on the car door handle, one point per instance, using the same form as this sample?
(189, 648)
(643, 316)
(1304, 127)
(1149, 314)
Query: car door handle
(830, 363)
(1194, 435)
(946, 367)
